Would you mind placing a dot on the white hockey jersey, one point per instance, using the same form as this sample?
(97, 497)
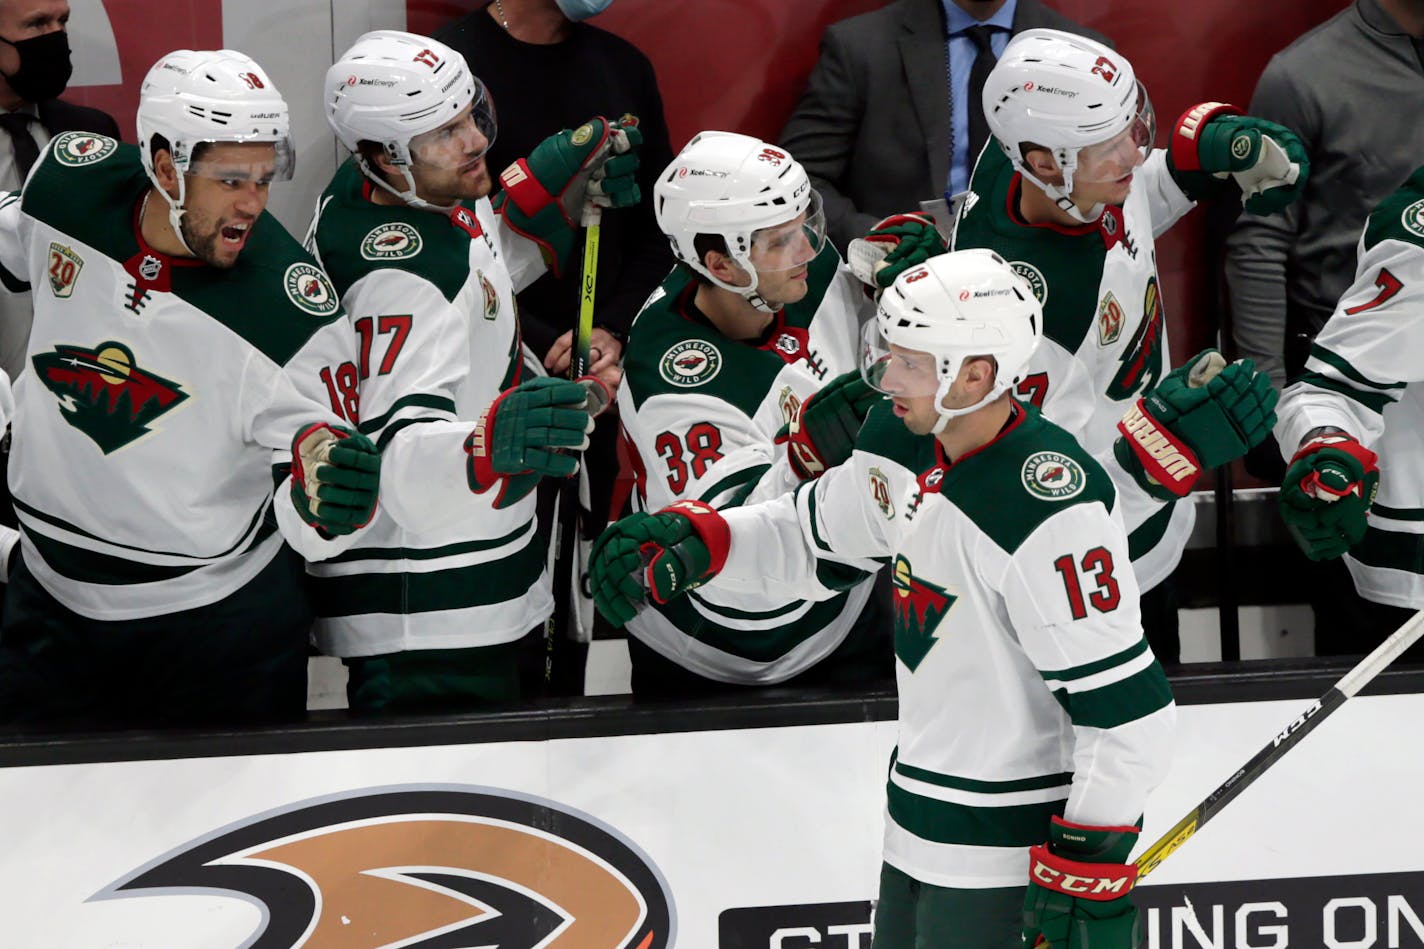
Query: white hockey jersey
(1365, 375)
(1105, 340)
(1026, 687)
(700, 414)
(161, 395)
(430, 304)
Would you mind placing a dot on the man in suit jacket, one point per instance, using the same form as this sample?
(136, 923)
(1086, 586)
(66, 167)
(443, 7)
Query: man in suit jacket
(877, 128)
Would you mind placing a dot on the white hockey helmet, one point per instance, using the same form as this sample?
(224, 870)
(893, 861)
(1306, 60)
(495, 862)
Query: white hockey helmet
(391, 87)
(192, 97)
(964, 304)
(739, 188)
(1075, 97)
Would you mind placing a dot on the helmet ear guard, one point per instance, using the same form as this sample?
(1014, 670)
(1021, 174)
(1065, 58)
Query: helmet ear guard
(954, 307)
(743, 190)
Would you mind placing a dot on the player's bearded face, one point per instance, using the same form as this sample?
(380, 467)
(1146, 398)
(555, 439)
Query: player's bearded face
(225, 193)
(448, 164)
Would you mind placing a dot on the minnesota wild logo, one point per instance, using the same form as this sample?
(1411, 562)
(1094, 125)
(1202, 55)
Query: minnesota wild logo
(392, 241)
(82, 148)
(1413, 218)
(1141, 360)
(918, 607)
(104, 394)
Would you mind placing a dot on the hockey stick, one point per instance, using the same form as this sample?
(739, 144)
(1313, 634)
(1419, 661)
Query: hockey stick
(1290, 736)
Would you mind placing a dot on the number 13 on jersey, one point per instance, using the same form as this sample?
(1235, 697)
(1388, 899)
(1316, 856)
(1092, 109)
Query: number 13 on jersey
(1096, 565)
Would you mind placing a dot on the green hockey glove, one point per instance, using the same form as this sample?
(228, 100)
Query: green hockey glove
(1327, 492)
(545, 194)
(660, 555)
(1203, 414)
(1214, 141)
(336, 476)
(822, 433)
(893, 246)
(517, 439)
(1078, 886)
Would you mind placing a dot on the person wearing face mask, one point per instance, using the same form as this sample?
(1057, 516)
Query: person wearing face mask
(1072, 192)
(550, 58)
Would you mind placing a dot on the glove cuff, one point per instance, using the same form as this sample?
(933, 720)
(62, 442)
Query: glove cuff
(1186, 133)
(709, 526)
(480, 472)
(1084, 881)
(1340, 441)
(1164, 457)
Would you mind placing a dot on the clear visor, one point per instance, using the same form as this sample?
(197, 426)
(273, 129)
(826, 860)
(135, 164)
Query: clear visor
(793, 244)
(260, 162)
(894, 370)
(463, 140)
(1115, 158)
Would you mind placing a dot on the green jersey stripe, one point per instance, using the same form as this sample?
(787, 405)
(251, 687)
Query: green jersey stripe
(393, 429)
(1374, 401)
(88, 566)
(944, 822)
(1096, 666)
(754, 645)
(1040, 783)
(1150, 532)
(1392, 550)
(735, 614)
(418, 399)
(1342, 365)
(1120, 702)
(428, 553)
(810, 488)
(244, 541)
(736, 479)
(480, 584)
(1398, 513)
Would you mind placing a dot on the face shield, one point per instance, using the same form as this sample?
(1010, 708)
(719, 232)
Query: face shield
(894, 370)
(463, 140)
(259, 162)
(1115, 158)
(792, 244)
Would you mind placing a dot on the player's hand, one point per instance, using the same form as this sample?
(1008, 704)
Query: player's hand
(822, 433)
(1203, 414)
(544, 195)
(1078, 886)
(336, 476)
(660, 555)
(518, 437)
(1267, 160)
(1327, 492)
(896, 244)
(604, 352)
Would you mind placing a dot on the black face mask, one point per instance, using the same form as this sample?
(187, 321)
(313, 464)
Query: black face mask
(44, 66)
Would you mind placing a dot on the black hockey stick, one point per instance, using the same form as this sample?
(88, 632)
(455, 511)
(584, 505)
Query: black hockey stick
(1290, 736)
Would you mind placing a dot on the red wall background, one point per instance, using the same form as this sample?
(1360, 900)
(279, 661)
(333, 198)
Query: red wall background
(740, 65)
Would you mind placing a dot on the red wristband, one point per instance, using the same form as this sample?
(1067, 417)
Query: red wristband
(710, 527)
(1187, 129)
(1167, 459)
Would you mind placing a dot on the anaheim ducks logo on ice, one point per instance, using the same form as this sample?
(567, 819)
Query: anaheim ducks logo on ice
(690, 363)
(83, 148)
(104, 394)
(394, 241)
(918, 608)
(421, 866)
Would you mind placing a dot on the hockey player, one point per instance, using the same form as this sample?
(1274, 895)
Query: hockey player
(1031, 708)
(438, 602)
(178, 368)
(1350, 427)
(1072, 194)
(720, 404)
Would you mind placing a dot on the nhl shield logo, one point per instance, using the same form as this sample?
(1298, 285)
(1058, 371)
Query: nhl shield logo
(83, 148)
(103, 393)
(150, 268)
(64, 267)
(1110, 320)
(690, 363)
(1413, 218)
(309, 289)
(394, 241)
(1053, 476)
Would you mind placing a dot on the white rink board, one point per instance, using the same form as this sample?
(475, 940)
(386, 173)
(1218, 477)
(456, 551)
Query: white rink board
(730, 819)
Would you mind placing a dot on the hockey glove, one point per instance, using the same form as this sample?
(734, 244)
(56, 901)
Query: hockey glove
(1326, 493)
(1213, 141)
(544, 195)
(336, 476)
(516, 441)
(893, 246)
(1201, 415)
(660, 555)
(822, 433)
(1078, 885)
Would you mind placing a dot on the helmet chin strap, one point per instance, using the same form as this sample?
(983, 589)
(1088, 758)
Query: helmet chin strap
(746, 293)
(946, 414)
(409, 196)
(1059, 194)
(175, 212)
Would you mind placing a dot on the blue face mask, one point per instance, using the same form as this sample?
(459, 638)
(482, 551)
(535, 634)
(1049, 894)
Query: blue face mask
(582, 9)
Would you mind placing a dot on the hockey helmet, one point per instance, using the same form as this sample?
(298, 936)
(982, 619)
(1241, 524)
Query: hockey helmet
(953, 307)
(753, 195)
(1075, 97)
(392, 87)
(193, 97)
